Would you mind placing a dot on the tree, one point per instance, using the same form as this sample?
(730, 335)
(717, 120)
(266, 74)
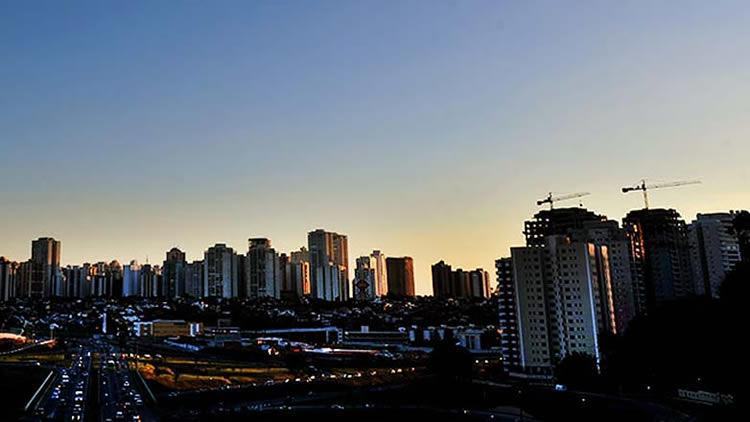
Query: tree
(451, 362)
(689, 343)
(577, 370)
(734, 290)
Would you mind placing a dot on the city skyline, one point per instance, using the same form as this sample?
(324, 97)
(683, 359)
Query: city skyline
(422, 269)
(426, 132)
(374, 210)
(706, 264)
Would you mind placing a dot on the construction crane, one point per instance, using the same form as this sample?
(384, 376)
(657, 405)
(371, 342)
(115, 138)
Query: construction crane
(645, 188)
(552, 199)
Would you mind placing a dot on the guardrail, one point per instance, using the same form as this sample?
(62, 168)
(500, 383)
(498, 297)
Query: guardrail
(32, 403)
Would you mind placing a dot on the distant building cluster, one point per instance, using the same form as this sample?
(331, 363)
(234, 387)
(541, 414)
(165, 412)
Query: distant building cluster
(448, 283)
(320, 271)
(581, 276)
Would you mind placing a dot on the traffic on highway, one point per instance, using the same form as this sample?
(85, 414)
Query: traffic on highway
(97, 386)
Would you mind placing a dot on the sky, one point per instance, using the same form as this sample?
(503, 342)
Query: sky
(419, 128)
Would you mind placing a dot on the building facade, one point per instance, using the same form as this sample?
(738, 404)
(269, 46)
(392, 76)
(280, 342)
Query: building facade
(715, 251)
(220, 276)
(329, 265)
(8, 270)
(173, 274)
(447, 283)
(263, 273)
(564, 301)
(298, 273)
(370, 277)
(46, 274)
(400, 276)
(659, 243)
(582, 225)
(508, 321)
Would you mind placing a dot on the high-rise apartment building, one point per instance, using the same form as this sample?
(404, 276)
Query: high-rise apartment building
(194, 279)
(220, 276)
(564, 301)
(442, 280)
(263, 272)
(114, 279)
(297, 274)
(626, 277)
(329, 257)
(150, 281)
(173, 274)
(447, 283)
(131, 275)
(715, 250)
(479, 283)
(23, 279)
(370, 277)
(400, 276)
(77, 280)
(8, 270)
(558, 221)
(508, 321)
(661, 254)
(582, 225)
(46, 275)
(381, 273)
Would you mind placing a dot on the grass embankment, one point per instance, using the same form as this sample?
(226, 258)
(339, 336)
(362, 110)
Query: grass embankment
(189, 375)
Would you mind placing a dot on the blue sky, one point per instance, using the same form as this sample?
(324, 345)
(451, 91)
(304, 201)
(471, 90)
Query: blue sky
(422, 128)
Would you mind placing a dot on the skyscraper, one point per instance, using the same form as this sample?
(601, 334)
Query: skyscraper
(8, 271)
(77, 279)
(447, 283)
(329, 265)
(625, 275)
(442, 280)
(150, 281)
(381, 273)
(46, 276)
(370, 277)
(131, 275)
(508, 321)
(715, 250)
(263, 273)
(558, 221)
(286, 289)
(662, 256)
(220, 277)
(23, 279)
(173, 274)
(400, 276)
(479, 283)
(102, 280)
(298, 273)
(564, 301)
(582, 225)
(194, 279)
(114, 279)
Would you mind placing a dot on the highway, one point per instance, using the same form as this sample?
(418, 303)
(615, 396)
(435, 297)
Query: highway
(81, 392)
(66, 398)
(119, 398)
